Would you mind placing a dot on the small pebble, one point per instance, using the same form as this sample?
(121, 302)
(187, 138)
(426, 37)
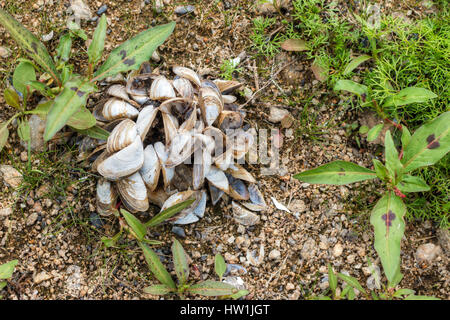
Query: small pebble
(179, 232)
(102, 9)
(274, 254)
(32, 218)
(337, 250)
(180, 10)
(428, 252)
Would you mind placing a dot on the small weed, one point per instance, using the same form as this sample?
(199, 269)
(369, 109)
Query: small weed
(229, 67)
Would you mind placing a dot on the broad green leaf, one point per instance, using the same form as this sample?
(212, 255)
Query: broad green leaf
(23, 130)
(336, 172)
(380, 169)
(239, 294)
(7, 269)
(82, 119)
(156, 267)
(95, 50)
(212, 288)
(168, 213)
(351, 281)
(64, 47)
(12, 98)
(131, 54)
(332, 279)
(388, 222)
(69, 101)
(30, 43)
(42, 109)
(414, 297)
(23, 74)
(158, 289)
(219, 265)
(180, 262)
(352, 65)
(294, 45)
(66, 73)
(428, 144)
(95, 132)
(76, 31)
(409, 95)
(136, 226)
(351, 294)
(412, 184)
(393, 163)
(363, 129)
(406, 136)
(403, 292)
(4, 134)
(2, 285)
(39, 86)
(374, 132)
(351, 86)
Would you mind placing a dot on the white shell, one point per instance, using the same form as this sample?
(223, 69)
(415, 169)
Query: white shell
(145, 120)
(168, 173)
(122, 136)
(106, 197)
(161, 89)
(188, 74)
(115, 108)
(133, 192)
(218, 179)
(151, 168)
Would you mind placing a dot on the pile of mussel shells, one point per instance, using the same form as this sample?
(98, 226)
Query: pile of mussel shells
(173, 140)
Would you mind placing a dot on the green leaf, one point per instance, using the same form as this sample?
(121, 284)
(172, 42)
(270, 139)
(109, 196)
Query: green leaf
(12, 98)
(380, 169)
(69, 101)
(158, 289)
(406, 136)
(393, 163)
(212, 288)
(408, 96)
(7, 269)
(23, 74)
(351, 281)
(42, 109)
(111, 242)
(82, 119)
(76, 31)
(387, 218)
(294, 45)
(239, 294)
(168, 213)
(403, 292)
(95, 132)
(345, 291)
(332, 279)
(336, 172)
(414, 297)
(156, 267)
(428, 144)
(374, 132)
(131, 54)
(180, 262)
(219, 265)
(136, 226)
(351, 294)
(2, 285)
(412, 184)
(95, 50)
(351, 86)
(352, 65)
(24, 131)
(363, 129)
(64, 47)
(4, 134)
(30, 43)
(39, 86)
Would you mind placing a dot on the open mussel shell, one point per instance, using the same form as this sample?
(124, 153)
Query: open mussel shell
(182, 179)
(145, 120)
(133, 193)
(257, 202)
(115, 108)
(241, 141)
(168, 173)
(227, 86)
(106, 197)
(118, 91)
(191, 120)
(210, 105)
(181, 148)
(158, 196)
(244, 216)
(238, 172)
(151, 168)
(227, 99)
(215, 193)
(187, 74)
(202, 166)
(161, 89)
(184, 87)
(124, 162)
(237, 190)
(218, 179)
(230, 120)
(122, 136)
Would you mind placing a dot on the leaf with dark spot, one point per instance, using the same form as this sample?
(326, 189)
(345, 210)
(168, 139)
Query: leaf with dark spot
(129, 62)
(388, 217)
(432, 142)
(180, 262)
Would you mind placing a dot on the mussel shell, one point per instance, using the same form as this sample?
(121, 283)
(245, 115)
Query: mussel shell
(215, 193)
(118, 91)
(257, 202)
(183, 87)
(238, 172)
(217, 178)
(122, 136)
(115, 108)
(168, 173)
(161, 89)
(106, 197)
(187, 74)
(133, 193)
(244, 216)
(227, 86)
(230, 120)
(145, 120)
(238, 190)
(151, 168)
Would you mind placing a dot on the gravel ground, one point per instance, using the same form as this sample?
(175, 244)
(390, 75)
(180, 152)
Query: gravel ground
(57, 238)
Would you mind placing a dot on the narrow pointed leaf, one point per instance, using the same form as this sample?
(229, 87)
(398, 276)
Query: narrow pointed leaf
(351, 86)
(412, 184)
(7, 269)
(403, 292)
(30, 43)
(69, 101)
(138, 228)
(95, 50)
(12, 98)
(332, 279)
(352, 65)
(406, 137)
(158, 289)
(4, 134)
(212, 288)
(180, 262)
(64, 47)
(428, 144)
(374, 132)
(156, 267)
(95, 132)
(414, 297)
(351, 281)
(409, 95)
(239, 294)
(23, 74)
(380, 169)
(294, 45)
(168, 213)
(393, 163)
(131, 54)
(336, 172)
(387, 219)
(219, 265)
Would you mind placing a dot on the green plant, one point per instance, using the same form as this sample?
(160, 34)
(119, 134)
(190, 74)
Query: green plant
(229, 67)
(67, 100)
(265, 44)
(6, 271)
(183, 287)
(425, 147)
